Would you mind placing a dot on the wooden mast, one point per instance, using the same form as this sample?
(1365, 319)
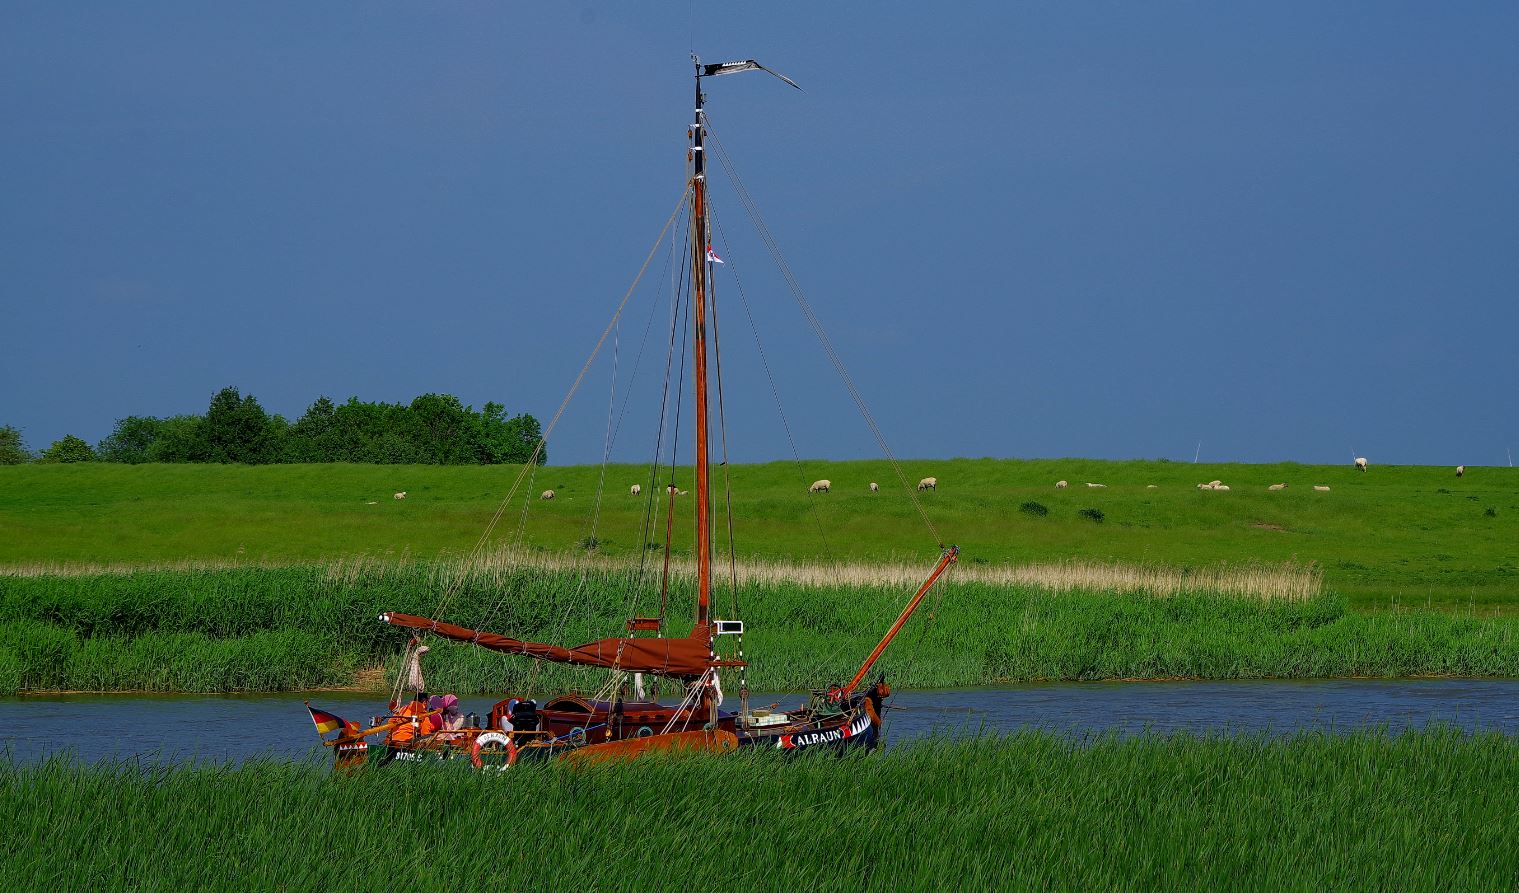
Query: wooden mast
(699, 242)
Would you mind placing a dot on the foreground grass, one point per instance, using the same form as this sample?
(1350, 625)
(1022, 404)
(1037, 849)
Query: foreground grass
(1427, 810)
(1388, 537)
(294, 628)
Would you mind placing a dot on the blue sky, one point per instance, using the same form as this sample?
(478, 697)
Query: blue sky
(1106, 230)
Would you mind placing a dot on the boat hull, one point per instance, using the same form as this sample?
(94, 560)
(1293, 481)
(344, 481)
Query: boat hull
(674, 742)
(598, 732)
(853, 731)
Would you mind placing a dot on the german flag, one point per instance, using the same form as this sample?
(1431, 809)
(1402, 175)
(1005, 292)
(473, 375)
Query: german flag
(325, 722)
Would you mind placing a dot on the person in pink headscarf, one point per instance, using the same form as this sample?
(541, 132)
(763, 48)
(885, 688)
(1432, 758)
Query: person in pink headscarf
(453, 717)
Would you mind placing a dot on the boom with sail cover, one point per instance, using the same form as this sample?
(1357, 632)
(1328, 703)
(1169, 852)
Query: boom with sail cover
(684, 658)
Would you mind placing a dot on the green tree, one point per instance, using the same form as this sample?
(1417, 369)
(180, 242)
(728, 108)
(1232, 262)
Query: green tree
(315, 436)
(433, 428)
(438, 425)
(68, 448)
(13, 450)
(238, 430)
(501, 440)
(359, 427)
(131, 441)
(181, 438)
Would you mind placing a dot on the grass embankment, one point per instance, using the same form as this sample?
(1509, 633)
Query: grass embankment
(254, 629)
(1427, 810)
(1392, 536)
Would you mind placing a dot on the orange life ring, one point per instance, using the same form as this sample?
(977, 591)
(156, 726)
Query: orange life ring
(493, 738)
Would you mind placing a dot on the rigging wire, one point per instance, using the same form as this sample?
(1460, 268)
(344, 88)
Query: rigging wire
(775, 393)
(532, 462)
(588, 540)
(672, 490)
(816, 324)
(678, 294)
(627, 399)
(651, 507)
(722, 426)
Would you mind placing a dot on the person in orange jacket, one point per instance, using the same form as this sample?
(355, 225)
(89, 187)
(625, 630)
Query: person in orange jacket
(414, 719)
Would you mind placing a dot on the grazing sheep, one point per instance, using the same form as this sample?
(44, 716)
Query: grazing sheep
(928, 484)
(1360, 463)
(1460, 470)
(672, 490)
(1321, 488)
(401, 495)
(1061, 485)
(1277, 487)
(1152, 486)
(1215, 483)
(547, 494)
(1222, 487)
(875, 487)
(681, 492)
(820, 486)
(635, 489)
(1096, 486)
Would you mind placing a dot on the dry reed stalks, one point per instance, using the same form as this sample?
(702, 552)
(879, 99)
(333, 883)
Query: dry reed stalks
(103, 568)
(1289, 581)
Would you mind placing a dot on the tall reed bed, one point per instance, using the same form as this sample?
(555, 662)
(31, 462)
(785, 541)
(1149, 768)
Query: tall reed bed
(1288, 580)
(272, 628)
(1428, 810)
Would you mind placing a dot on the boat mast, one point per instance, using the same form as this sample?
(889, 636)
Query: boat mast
(699, 242)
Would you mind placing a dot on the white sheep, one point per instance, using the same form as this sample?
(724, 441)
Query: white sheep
(1215, 483)
(1360, 463)
(1061, 485)
(822, 486)
(547, 494)
(635, 489)
(1460, 470)
(671, 489)
(875, 487)
(1222, 487)
(928, 484)
(1096, 486)
(1277, 487)
(401, 495)
(1321, 488)
(1152, 486)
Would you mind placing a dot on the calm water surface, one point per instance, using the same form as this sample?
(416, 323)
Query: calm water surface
(235, 727)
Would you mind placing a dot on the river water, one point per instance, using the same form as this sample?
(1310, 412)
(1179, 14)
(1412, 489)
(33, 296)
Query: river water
(236, 727)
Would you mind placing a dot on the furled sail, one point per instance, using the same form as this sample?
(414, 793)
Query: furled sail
(681, 658)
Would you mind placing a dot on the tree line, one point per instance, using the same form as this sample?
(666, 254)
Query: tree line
(433, 429)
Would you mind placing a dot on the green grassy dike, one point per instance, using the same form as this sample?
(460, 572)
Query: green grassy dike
(251, 629)
(1429, 810)
(1394, 535)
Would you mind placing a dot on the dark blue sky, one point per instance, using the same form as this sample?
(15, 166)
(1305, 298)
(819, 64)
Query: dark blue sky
(1106, 230)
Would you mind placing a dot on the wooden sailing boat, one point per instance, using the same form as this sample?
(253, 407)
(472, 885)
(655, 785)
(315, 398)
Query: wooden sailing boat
(593, 728)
